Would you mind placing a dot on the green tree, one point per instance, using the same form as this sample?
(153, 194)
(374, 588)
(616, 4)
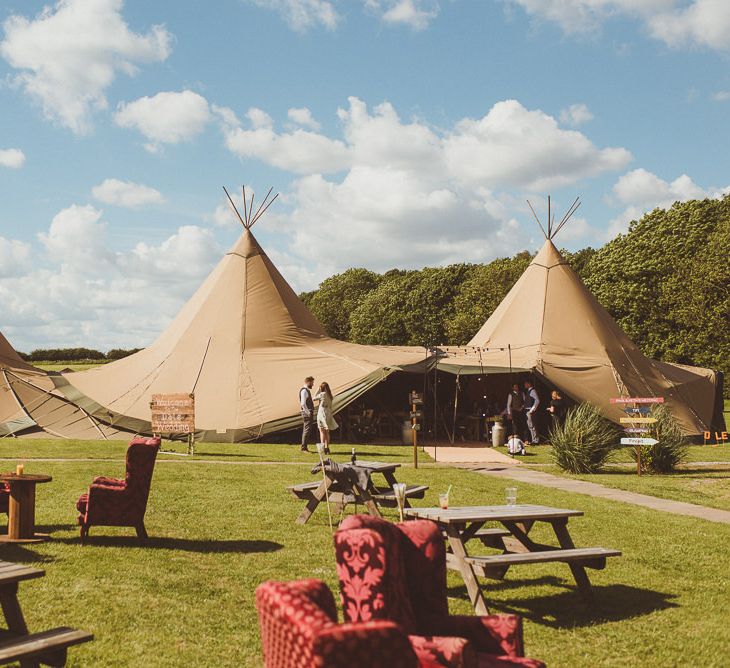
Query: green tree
(338, 296)
(481, 293)
(634, 274)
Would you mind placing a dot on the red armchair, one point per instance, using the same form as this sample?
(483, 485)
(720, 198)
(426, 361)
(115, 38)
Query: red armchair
(299, 628)
(121, 503)
(397, 572)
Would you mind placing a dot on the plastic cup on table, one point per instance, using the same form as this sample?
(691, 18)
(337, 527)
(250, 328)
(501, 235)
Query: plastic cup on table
(510, 494)
(444, 501)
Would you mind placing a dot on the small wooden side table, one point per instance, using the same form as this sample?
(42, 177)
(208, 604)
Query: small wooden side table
(21, 507)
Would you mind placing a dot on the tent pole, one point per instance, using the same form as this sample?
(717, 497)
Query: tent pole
(456, 404)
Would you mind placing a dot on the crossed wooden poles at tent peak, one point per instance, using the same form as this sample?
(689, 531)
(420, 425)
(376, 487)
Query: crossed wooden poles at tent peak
(248, 220)
(552, 230)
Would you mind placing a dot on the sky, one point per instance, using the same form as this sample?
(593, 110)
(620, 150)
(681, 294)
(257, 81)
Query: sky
(399, 133)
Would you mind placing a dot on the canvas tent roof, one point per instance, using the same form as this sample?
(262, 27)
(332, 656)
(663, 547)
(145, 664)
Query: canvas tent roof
(243, 345)
(28, 400)
(551, 324)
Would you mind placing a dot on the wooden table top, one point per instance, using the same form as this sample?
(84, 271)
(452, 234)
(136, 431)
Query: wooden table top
(516, 513)
(375, 467)
(11, 573)
(25, 477)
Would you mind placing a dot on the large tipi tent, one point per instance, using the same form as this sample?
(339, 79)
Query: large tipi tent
(242, 345)
(550, 324)
(29, 402)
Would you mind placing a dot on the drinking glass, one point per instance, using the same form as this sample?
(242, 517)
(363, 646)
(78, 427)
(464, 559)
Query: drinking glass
(510, 494)
(444, 501)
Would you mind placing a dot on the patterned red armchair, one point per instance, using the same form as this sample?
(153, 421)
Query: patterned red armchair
(398, 572)
(121, 503)
(299, 628)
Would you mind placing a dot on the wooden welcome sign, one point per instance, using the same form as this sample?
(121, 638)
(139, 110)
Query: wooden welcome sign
(173, 413)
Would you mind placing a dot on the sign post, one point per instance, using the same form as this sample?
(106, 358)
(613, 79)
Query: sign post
(638, 422)
(174, 414)
(416, 400)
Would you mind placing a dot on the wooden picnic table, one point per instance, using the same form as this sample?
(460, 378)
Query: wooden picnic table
(463, 524)
(21, 507)
(342, 492)
(17, 644)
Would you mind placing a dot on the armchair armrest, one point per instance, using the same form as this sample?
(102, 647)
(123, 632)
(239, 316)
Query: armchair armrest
(444, 652)
(109, 482)
(494, 634)
(363, 645)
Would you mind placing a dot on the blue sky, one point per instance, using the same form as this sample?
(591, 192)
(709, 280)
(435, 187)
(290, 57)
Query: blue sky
(398, 132)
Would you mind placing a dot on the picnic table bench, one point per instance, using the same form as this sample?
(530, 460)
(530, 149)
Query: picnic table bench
(343, 490)
(460, 525)
(17, 644)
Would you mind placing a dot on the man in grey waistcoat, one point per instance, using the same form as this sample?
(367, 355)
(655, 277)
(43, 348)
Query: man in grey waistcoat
(532, 401)
(307, 408)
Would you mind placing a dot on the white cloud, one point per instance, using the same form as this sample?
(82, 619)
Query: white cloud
(165, 118)
(391, 192)
(514, 146)
(126, 193)
(299, 151)
(303, 116)
(677, 23)
(641, 191)
(13, 158)
(70, 54)
(76, 237)
(73, 289)
(300, 15)
(575, 114)
(416, 14)
(14, 257)
(721, 96)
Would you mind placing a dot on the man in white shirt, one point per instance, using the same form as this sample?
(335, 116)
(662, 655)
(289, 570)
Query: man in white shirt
(307, 407)
(532, 401)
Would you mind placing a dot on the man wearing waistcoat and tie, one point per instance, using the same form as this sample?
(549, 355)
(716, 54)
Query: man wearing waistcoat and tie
(307, 408)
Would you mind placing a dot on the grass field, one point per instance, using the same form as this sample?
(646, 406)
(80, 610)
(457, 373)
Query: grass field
(222, 524)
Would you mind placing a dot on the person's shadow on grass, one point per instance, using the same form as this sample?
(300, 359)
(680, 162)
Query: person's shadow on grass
(567, 609)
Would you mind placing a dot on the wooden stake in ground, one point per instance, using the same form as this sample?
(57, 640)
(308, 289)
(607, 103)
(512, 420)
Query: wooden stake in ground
(320, 452)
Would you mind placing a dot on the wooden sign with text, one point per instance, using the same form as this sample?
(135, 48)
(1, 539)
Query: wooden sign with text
(173, 413)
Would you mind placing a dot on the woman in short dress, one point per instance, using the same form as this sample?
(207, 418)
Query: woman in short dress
(325, 417)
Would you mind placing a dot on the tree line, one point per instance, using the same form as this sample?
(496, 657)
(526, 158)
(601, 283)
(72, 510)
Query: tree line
(76, 355)
(665, 281)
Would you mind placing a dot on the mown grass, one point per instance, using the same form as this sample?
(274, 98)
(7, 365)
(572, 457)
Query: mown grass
(221, 525)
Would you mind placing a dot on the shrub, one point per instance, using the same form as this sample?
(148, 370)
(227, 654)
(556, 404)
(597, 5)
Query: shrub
(671, 449)
(585, 441)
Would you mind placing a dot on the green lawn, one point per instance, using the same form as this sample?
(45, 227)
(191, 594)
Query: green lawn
(75, 366)
(222, 524)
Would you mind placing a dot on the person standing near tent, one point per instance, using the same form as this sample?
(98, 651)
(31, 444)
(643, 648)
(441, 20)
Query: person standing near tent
(307, 407)
(557, 407)
(325, 416)
(532, 401)
(515, 410)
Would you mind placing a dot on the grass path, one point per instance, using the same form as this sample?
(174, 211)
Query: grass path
(591, 488)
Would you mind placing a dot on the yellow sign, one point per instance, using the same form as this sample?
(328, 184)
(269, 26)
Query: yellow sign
(637, 420)
(173, 413)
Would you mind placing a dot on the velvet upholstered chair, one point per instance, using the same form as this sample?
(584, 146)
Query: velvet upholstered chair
(397, 572)
(299, 628)
(121, 503)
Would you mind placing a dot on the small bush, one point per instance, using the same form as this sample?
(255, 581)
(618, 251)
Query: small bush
(670, 451)
(585, 441)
